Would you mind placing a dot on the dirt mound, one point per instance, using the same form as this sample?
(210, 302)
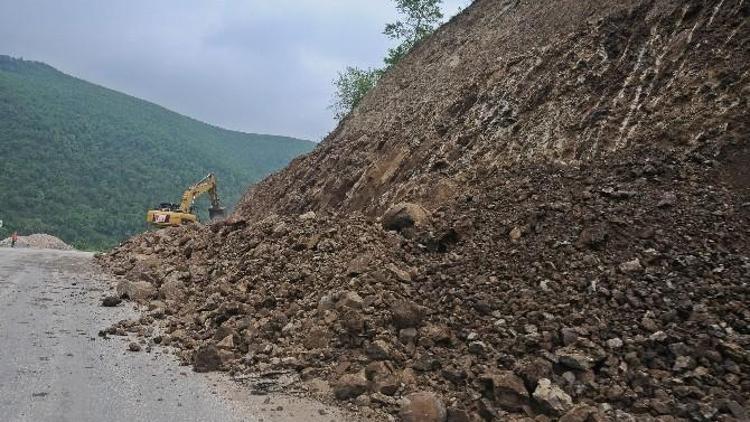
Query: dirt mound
(38, 241)
(563, 233)
(623, 284)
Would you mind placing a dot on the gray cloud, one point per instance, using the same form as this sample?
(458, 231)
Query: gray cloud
(257, 65)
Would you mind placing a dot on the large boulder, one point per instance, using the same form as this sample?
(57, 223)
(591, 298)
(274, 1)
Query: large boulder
(405, 215)
(506, 389)
(139, 291)
(552, 397)
(423, 407)
(350, 386)
(172, 289)
(207, 359)
(407, 314)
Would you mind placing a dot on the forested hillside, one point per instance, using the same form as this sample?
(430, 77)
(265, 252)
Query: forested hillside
(84, 162)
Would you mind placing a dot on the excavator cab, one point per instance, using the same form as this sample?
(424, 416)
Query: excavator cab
(171, 215)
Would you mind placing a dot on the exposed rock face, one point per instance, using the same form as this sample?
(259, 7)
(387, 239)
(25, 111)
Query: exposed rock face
(584, 168)
(511, 82)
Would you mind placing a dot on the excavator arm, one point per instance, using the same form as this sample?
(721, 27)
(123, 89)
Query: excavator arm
(207, 185)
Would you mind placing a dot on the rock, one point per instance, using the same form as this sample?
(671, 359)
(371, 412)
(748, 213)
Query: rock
(317, 338)
(614, 343)
(379, 350)
(134, 347)
(658, 336)
(631, 267)
(317, 385)
(358, 265)
(405, 215)
(506, 390)
(438, 334)
(350, 386)
(406, 314)
(552, 397)
(667, 201)
(594, 236)
(569, 336)
(207, 359)
(350, 300)
(684, 362)
(172, 289)
(400, 274)
(139, 291)
(456, 414)
(477, 347)
(516, 234)
(226, 343)
(532, 370)
(111, 301)
(649, 324)
(308, 216)
(407, 335)
(423, 407)
(579, 413)
(574, 358)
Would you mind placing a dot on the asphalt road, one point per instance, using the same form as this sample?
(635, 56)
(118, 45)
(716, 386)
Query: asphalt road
(54, 367)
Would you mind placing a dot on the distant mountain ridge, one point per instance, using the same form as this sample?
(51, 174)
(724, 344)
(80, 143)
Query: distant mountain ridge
(84, 162)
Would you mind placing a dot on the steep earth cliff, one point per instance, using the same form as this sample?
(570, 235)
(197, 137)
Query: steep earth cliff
(573, 243)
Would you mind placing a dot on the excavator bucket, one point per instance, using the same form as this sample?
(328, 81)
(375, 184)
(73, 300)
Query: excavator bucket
(216, 213)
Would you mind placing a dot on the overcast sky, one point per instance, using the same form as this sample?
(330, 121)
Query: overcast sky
(261, 66)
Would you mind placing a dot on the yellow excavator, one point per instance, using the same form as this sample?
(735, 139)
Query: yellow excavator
(170, 215)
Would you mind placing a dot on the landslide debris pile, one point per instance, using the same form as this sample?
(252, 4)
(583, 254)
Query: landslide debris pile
(38, 241)
(565, 239)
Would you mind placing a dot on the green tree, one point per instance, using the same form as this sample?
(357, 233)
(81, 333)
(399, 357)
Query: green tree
(351, 86)
(419, 20)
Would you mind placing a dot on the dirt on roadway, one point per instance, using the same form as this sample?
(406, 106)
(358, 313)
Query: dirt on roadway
(54, 367)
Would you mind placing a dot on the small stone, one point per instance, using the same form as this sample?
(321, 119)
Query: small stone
(569, 336)
(614, 343)
(350, 300)
(350, 386)
(516, 234)
(400, 274)
(359, 265)
(658, 336)
(649, 324)
(379, 350)
(630, 267)
(134, 347)
(310, 215)
(668, 200)
(407, 335)
(579, 413)
(552, 397)
(111, 301)
(477, 347)
(574, 358)
(683, 363)
(226, 343)
(423, 407)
